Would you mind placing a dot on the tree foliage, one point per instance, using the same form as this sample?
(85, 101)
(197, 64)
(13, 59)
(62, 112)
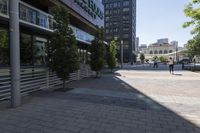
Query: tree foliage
(194, 46)
(64, 57)
(111, 55)
(142, 57)
(192, 10)
(97, 50)
(162, 59)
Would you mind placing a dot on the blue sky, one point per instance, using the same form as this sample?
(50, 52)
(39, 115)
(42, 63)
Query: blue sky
(162, 19)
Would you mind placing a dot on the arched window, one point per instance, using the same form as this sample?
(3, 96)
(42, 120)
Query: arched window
(155, 52)
(151, 52)
(160, 52)
(165, 52)
(170, 51)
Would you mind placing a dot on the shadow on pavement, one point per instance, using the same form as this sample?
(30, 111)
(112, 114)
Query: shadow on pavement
(110, 90)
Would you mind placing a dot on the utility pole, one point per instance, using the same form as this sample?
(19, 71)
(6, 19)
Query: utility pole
(122, 53)
(14, 52)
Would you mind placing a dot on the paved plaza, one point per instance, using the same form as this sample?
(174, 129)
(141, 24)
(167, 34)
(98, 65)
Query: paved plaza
(137, 99)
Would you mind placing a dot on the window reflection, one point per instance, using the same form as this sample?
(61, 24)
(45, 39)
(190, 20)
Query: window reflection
(4, 50)
(40, 51)
(81, 35)
(26, 53)
(4, 7)
(34, 16)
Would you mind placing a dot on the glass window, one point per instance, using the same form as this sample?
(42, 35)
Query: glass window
(126, 17)
(116, 30)
(4, 50)
(126, 36)
(126, 9)
(165, 52)
(26, 52)
(107, 18)
(107, 6)
(4, 7)
(107, 12)
(126, 3)
(40, 51)
(125, 29)
(115, 5)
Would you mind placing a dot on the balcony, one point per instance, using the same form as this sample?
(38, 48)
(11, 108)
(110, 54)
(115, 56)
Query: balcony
(29, 15)
(82, 36)
(32, 16)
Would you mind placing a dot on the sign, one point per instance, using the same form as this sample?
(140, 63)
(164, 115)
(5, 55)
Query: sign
(90, 7)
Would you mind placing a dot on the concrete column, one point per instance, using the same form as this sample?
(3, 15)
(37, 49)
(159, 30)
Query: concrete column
(14, 52)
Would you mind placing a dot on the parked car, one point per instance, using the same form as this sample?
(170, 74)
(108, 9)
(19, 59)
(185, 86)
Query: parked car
(185, 61)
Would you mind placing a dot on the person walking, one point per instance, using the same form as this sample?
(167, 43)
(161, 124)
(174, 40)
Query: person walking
(171, 65)
(155, 64)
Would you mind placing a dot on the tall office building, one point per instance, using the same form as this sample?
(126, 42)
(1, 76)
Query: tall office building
(120, 23)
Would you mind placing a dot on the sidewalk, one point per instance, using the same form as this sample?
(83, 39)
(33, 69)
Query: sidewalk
(135, 102)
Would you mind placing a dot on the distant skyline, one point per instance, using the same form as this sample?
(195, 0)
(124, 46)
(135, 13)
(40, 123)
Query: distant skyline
(158, 19)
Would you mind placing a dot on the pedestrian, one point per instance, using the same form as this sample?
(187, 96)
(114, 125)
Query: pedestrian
(155, 64)
(171, 65)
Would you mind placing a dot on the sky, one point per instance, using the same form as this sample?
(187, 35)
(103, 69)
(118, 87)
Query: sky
(158, 19)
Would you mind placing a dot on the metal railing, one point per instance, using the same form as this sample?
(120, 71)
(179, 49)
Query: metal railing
(29, 15)
(35, 79)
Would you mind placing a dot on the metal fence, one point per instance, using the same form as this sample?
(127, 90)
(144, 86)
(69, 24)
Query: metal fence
(35, 79)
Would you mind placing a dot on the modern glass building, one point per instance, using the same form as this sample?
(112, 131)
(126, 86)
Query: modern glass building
(35, 26)
(120, 23)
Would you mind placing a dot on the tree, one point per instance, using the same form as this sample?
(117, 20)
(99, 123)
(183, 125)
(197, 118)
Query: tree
(192, 10)
(97, 50)
(111, 55)
(162, 59)
(142, 57)
(155, 58)
(194, 46)
(64, 57)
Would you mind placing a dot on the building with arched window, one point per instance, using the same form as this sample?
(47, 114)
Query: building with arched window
(161, 47)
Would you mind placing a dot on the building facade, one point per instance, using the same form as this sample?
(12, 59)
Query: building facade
(120, 23)
(36, 23)
(162, 48)
(137, 43)
(36, 26)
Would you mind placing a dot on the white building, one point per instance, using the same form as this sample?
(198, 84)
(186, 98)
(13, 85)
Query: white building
(163, 41)
(137, 45)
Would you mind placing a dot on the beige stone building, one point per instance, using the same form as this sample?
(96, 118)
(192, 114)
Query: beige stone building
(159, 49)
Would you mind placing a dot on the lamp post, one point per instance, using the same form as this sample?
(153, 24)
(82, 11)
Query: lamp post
(121, 51)
(14, 53)
(176, 53)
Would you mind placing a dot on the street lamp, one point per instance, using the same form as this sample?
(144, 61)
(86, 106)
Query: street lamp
(121, 50)
(176, 56)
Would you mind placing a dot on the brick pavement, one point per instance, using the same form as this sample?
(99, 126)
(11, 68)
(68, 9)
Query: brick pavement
(112, 104)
